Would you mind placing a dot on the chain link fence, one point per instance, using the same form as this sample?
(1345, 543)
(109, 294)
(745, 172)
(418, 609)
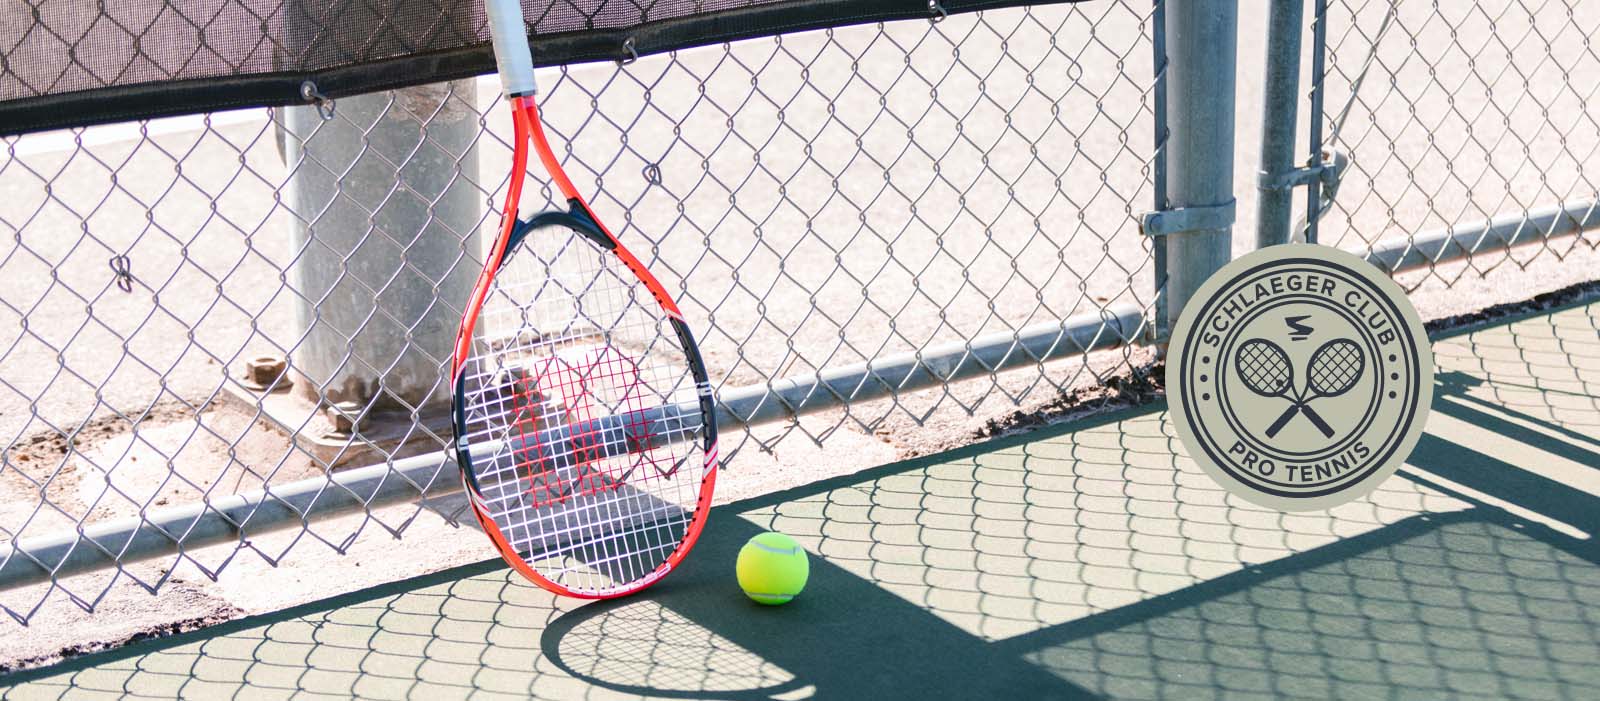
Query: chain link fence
(829, 207)
(1469, 140)
(261, 302)
(1097, 556)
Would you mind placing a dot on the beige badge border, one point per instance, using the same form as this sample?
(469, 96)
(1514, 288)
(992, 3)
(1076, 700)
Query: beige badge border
(1355, 266)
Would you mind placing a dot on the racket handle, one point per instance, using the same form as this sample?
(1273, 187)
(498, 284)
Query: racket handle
(509, 34)
(1327, 431)
(1283, 420)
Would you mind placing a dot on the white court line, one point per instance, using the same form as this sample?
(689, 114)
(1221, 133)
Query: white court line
(1527, 457)
(1514, 509)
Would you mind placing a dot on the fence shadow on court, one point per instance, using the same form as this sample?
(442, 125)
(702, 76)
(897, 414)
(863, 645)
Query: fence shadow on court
(1081, 561)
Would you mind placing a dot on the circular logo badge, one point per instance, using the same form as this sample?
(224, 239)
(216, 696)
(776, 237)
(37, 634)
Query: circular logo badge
(1299, 377)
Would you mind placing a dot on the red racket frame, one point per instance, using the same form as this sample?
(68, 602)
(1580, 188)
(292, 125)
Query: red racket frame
(527, 129)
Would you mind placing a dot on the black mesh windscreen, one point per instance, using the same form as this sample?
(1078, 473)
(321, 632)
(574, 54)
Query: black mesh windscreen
(77, 62)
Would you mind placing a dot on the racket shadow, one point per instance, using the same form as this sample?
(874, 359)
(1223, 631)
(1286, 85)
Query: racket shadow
(696, 636)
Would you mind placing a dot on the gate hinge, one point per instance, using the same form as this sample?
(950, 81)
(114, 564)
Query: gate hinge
(1177, 221)
(1328, 172)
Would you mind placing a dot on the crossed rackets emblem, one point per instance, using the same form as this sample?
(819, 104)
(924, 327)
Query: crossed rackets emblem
(1265, 368)
(1299, 377)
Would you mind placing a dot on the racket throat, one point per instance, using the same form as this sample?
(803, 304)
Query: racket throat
(576, 218)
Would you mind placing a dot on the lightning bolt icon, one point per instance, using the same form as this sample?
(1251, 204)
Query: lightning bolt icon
(1297, 330)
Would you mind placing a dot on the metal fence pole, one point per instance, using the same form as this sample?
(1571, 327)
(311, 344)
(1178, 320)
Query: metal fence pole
(1201, 37)
(1279, 121)
(1161, 329)
(384, 220)
(1319, 74)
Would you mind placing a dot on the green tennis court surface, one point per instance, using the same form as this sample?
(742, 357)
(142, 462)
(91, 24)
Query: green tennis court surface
(1084, 560)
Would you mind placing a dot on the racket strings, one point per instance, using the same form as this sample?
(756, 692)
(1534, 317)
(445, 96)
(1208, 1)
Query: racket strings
(1335, 367)
(1264, 367)
(570, 340)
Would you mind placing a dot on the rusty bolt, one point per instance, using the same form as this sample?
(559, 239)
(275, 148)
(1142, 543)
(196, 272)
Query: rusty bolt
(343, 416)
(261, 371)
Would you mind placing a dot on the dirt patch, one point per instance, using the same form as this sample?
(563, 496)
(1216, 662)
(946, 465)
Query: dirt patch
(125, 614)
(1142, 384)
(1127, 389)
(40, 479)
(1501, 313)
(114, 466)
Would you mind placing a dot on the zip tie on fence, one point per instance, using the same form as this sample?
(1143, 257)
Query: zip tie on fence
(122, 268)
(323, 103)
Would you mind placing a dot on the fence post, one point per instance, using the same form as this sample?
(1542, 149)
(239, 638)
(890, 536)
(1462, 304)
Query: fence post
(1201, 37)
(1279, 122)
(385, 227)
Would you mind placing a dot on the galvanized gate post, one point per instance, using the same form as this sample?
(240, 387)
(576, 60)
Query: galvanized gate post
(385, 229)
(1279, 176)
(1279, 122)
(1195, 223)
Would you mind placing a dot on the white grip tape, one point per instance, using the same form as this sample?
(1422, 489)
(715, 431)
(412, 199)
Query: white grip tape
(510, 38)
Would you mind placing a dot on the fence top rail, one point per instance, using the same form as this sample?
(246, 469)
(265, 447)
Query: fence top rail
(140, 59)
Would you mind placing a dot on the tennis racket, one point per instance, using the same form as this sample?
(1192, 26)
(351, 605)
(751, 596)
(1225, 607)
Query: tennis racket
(583, 417)
(1266, 370)
(1333, 370)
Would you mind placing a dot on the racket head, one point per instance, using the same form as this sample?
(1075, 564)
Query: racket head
(1335, 367)
(583, 413)
(1264, 367)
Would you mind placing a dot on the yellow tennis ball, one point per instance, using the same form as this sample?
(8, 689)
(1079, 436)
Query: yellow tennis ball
(772, 568)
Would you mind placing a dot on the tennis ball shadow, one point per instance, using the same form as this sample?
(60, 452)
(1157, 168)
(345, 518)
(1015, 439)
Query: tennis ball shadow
(844, 636)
